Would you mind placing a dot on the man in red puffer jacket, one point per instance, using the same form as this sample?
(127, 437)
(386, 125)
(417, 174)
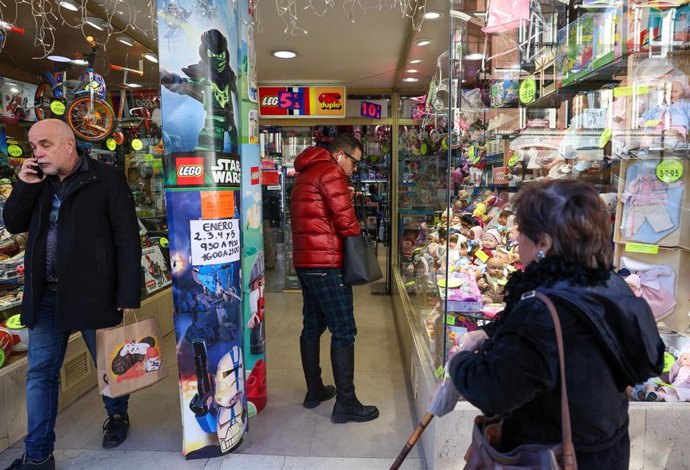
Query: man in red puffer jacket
(322, 215)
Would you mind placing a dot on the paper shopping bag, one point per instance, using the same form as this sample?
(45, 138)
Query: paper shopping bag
(129, 358)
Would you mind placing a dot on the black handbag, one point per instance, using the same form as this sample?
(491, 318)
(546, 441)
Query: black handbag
(360, 265)
(486, 432)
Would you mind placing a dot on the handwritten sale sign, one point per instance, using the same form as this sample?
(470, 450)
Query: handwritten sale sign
(215, 241)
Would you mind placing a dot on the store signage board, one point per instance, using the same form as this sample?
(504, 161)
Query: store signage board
(302, 102)
(370, 110)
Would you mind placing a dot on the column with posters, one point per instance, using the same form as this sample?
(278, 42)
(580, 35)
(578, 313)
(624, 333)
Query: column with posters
(202, 171)
(252, 235)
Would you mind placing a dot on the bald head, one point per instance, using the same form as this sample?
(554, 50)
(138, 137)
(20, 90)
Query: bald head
(54, 148)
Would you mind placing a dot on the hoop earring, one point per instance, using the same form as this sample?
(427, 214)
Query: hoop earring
(541, 255)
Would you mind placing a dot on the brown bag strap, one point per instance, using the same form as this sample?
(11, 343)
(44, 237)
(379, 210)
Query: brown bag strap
(569, 462)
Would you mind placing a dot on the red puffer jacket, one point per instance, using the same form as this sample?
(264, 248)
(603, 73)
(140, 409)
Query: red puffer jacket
(321, 209)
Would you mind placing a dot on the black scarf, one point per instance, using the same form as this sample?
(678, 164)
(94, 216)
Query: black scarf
(546, 273)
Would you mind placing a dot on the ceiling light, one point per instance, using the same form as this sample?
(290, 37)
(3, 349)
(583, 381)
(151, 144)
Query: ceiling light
(412, 70)
(423, 42)
(133, 85)
(151, 57)
(79, 62)
(59, 58)
(97, 23)
(415, 61)
(126, 40)
(285, 54)
(475, 56)
(432, 15)
(479, 14)
(14, 90)
(410, 79)
(69, 5)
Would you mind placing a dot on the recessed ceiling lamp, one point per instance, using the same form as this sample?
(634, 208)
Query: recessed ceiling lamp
(415, 61)
(423, 42)
(59, 58)
(126, 40)
(97, 23)
(475, 56)
(151, 57)
(432, 15)
(79, 62)
(133, 85)
(69, 5)
(411, 70)
(410, 79)
(285, 54)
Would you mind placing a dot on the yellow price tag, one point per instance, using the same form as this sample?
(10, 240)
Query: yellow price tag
(57, 108)
(528, 90)
(513, 160)
(483, 257)
(652, 123)
(642, 248)
(148, 157)
(14, 150)
(137, 144)
(450, 320)
(438, 373)
(669, 170)
(14, 322)
(630, 90)
(110, 144)
(164, 242)
(605, 137)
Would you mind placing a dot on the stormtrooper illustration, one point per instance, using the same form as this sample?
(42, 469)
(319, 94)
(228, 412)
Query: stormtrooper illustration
(219, 405)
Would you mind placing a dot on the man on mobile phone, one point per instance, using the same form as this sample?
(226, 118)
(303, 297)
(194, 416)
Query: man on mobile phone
(82, 271)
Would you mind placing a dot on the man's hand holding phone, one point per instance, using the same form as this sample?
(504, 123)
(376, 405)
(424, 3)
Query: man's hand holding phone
(31, 171)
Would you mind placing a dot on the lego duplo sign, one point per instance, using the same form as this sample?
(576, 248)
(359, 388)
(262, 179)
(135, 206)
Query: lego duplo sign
(302, 102)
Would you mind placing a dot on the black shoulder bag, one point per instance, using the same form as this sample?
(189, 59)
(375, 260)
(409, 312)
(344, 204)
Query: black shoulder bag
(360, 265)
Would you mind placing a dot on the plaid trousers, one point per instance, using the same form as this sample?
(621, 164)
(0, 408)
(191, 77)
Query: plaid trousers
(327, 304)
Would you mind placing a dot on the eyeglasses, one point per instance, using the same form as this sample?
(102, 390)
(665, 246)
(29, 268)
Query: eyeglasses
(355, 162)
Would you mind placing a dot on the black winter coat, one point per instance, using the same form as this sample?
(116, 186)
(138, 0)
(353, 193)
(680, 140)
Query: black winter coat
(519, 376)
(98, 247)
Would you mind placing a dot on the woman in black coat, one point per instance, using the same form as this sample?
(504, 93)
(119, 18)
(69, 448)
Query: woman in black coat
(610, 339)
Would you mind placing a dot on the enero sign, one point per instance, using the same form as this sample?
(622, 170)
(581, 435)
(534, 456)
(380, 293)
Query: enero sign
(190, 171)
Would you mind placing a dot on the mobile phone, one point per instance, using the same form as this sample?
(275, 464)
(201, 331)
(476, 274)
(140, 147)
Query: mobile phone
(39, 171)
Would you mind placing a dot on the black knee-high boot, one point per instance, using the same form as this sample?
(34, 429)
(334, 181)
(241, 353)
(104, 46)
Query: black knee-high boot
(316, 390)
(347, 407)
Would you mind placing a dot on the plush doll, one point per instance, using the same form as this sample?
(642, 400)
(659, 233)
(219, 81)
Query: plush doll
(492, 283)
(504, 255)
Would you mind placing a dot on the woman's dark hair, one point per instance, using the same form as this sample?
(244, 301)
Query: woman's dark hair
(347, 142)
(575, 217)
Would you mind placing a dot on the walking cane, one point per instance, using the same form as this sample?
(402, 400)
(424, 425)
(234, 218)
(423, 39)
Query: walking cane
(412, 440)
(443, 402)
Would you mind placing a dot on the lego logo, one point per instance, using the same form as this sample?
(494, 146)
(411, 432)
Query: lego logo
(255, 174)
(190, 170)
(269, 101)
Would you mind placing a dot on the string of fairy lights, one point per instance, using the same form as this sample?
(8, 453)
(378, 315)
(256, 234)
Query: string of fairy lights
(290, 11)
(47, 16)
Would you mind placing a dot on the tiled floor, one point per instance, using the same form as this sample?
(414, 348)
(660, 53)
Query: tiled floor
(284, 435)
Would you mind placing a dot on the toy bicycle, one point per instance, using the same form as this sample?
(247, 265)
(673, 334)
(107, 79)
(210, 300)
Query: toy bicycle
(83, 104)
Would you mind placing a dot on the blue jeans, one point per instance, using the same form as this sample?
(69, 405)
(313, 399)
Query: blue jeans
(46, 354)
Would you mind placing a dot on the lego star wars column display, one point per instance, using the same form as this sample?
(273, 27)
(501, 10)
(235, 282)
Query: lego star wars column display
(252, 232)
(202, 172)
